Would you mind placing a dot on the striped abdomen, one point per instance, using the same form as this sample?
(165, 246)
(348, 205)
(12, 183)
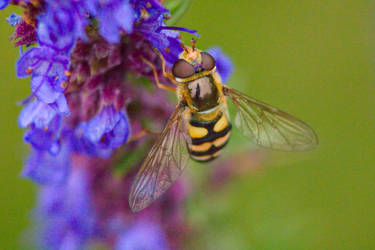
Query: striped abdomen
(208, 137)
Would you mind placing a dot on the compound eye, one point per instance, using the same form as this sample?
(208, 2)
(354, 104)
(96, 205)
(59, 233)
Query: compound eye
(208, 61)
(182, 69)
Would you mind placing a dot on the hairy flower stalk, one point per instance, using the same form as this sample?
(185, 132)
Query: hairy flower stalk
(92, 99)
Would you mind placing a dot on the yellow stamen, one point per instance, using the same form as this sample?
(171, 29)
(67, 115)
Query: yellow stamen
(144, 12)
(64, 84)
(29, 70)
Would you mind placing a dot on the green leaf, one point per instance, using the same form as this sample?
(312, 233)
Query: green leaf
(177, 9)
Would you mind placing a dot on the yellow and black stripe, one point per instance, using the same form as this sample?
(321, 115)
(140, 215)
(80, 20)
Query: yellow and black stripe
(208, 137)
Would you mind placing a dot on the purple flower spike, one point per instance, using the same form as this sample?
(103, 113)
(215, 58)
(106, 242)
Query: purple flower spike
(224, 64)
(90, 89)
(3, 4)
(109, 129)
(142, 235)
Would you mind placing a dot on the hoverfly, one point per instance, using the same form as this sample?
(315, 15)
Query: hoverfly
(200, 127)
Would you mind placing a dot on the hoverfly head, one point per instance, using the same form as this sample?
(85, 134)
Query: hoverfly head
(192, 61)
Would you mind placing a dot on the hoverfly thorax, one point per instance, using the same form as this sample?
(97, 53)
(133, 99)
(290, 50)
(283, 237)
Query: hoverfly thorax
(195, 70)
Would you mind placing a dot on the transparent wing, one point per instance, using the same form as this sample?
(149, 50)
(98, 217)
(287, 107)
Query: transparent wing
(163, 165)
(269, 127)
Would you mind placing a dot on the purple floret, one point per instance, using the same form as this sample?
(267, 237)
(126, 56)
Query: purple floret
(47, 169)
(13, 19)
(114, 17)
(134, 237)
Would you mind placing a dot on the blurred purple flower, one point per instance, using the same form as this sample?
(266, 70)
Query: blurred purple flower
(66, 213)
(224, 64)
(114, 16)
(3, 4)
(47, 169)
(46, 139)
(143, 235)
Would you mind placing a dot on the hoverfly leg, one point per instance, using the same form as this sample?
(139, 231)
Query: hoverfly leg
(142, 133)
(165, 73)
(156, 76)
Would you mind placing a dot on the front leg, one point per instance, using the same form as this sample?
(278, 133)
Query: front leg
(165, 73)
(156, 76)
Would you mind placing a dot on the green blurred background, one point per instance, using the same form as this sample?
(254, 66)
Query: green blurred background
(314, 59)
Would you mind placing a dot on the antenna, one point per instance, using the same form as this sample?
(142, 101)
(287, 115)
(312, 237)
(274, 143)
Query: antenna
(193, 44)
(184, 47)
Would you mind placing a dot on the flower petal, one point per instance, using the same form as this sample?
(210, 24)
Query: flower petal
(3, 4)
(134, 237)
(42, 140)
(108, 130)
(40, 114)
(37, 113)
(114, 17)
(28, 61)
(44, 168)
(124, 16)
(56, 29)
(108, 27)
(42, 87)
(224, 64)
(119, 134)
(97, 126)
